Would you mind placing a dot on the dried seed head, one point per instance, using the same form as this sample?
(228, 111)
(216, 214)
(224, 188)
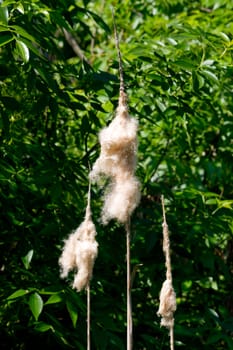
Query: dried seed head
(79, 254)
(86, 253)
(167, 305)
(121, 199)
(117, 161)
(118, 148)
(67, 260)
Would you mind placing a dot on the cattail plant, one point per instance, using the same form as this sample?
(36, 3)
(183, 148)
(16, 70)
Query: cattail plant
(117, 162)
(167, 297)
(78, 255)
(80, 251)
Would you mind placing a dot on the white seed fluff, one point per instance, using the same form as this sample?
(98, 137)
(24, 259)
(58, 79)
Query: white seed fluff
(167, 305)
(79, 254)
(121, 200)
(117, 161)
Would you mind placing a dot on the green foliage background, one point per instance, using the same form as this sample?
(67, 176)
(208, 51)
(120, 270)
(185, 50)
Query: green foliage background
(177, 59)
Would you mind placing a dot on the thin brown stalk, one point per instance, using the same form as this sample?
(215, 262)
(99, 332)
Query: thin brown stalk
(172, 338)
(129, 300)
(166, 243)
(88, 215)
(122, 102)
(74, 45)
(88, 318)
(122, 88)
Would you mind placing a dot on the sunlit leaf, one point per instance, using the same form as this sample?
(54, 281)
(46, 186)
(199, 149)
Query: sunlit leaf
(4, 15)
(22, 50)
(43, 327)
(210, 75)
(54, 299)
(18, 294)
(22, 32)
(20, 8)
(27, 259)
(36, 305)
(73, 312)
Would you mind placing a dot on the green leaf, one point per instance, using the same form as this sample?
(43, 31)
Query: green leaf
(100, 21)
(54, 299)
(185, 64)
(43, 327)
(224, 36)
(33, 47)
(19, 293)
(72, 309)
(136, 51)
(4, 15)
(108, 106)
(213, 313)
(20, 8)
(7, 2)
(22, 51)
(210, 75)
(36, 305)
(22, 32)
(27, 259)
(3, 28)
(211, 201)
(201, 81)
(227, 204)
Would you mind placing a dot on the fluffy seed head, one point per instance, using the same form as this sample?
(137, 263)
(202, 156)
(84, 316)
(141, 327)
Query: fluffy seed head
(121, 199)
(117, 161)
(167, 305)
(79, 254)
(118, 148)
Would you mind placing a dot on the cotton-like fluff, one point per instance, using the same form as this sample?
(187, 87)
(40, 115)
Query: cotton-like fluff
(117, 161)
(167, 305)
(121, 200)
(79, 254)
(118, 148)
(167, 297)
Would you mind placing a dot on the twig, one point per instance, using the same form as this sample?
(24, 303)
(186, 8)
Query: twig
(122, 87)
(74, 45)
(123, 96)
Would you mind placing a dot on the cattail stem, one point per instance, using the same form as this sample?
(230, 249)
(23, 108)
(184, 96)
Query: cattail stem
(129, 301)
(172, 338)
(166, 243)
(88, 207)
(88, 217)
(167, 295)
(122, 88)
(88, 318)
